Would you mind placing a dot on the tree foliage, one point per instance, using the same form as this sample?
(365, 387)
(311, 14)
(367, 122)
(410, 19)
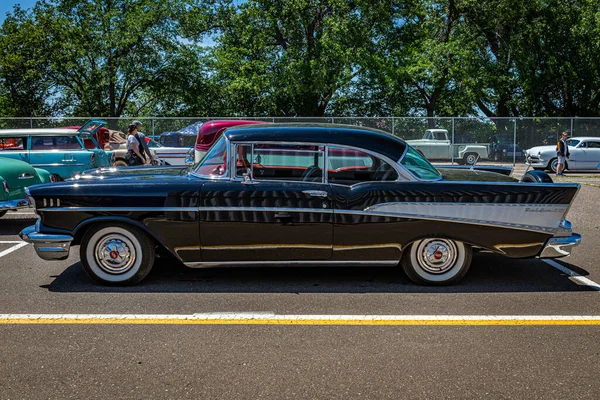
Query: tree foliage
(430, 58)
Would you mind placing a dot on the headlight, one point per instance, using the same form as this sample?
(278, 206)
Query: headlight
(539, 154)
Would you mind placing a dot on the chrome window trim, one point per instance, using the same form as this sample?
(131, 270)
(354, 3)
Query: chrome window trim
(392, 163)
(235, 178)
(226, 175)
(399, 162)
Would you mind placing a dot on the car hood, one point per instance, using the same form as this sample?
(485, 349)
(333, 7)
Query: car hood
(146, 172)
(541, 149)
(473, 175)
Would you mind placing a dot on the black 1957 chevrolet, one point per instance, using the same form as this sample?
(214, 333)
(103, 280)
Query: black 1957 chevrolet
(302, 194)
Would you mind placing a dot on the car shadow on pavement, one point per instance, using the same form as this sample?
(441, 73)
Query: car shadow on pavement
(488, 273)
(12, 226)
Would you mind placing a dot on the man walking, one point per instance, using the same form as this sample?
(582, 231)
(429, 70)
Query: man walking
(562, 151)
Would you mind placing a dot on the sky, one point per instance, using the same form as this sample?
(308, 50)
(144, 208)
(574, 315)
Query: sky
(7, 5)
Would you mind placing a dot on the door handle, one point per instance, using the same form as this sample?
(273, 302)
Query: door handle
(315, 193)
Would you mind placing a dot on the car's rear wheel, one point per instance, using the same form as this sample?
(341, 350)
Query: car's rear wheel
(116, 254)
(436, 261)
(119, 163)
(470, 158)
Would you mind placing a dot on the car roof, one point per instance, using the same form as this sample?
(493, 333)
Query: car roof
(584, 138)
(347, 135)
(38, 132)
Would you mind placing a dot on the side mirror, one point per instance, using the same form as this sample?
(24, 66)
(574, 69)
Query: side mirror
(189, 157)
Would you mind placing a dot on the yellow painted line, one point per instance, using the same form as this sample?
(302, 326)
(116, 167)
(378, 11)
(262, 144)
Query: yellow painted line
(300, 320)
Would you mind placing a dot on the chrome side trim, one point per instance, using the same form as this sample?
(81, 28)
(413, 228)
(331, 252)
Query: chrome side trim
(560, 246)
(327, 263)
(536, 217)
(120, 209)
(189, 209)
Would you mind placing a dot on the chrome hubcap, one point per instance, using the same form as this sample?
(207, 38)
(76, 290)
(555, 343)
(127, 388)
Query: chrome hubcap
(437, 256)
(115, 253)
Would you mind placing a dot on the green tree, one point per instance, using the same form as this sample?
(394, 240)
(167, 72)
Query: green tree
(24, 88)
(289, 58)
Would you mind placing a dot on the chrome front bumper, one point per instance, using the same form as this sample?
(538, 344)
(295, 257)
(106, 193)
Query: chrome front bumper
(14, 204)
(560, 246)
(47, 246)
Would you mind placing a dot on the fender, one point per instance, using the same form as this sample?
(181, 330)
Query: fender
(82, 227)
(481, 150)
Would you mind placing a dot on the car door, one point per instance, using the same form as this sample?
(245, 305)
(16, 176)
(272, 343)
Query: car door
(59, 154)
(359, 237)
(591, 155)
(276, 208)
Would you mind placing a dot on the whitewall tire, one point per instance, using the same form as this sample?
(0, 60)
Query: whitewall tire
(116, 254)
(436, 261)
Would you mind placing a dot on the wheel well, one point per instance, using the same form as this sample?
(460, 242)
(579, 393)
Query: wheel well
(83, 227)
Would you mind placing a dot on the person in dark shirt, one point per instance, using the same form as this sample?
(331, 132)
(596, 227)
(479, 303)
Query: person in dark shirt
(562, 152)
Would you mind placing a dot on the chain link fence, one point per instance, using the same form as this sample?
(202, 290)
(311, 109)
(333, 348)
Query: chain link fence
(504, 138)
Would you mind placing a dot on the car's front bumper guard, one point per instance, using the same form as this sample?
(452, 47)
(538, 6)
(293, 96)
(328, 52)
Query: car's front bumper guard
(47, 246)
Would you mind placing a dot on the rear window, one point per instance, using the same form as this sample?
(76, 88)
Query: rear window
(47, 143)
(11, 143)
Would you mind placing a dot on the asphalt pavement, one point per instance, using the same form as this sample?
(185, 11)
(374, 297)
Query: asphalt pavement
(225, 355)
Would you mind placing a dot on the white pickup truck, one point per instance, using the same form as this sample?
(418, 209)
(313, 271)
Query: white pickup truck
(436, 145)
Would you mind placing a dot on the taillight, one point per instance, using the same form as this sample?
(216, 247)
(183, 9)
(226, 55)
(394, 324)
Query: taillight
(5, 186)
(52, 178)
(92, 159)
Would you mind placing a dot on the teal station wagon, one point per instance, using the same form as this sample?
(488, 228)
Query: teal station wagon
(63, 152)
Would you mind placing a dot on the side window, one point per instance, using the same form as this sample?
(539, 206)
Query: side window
(280, 162)
(593, 145)
(349, 166)
(12, 144)
(48, 143)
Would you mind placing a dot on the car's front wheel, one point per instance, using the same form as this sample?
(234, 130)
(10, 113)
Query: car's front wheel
(116, 254)
(436, 261)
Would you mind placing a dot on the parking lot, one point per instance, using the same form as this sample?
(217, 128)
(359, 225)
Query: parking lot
(510, 329)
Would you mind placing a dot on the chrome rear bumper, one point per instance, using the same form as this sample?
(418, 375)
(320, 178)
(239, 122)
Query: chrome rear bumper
(47, 246)
(560, 246)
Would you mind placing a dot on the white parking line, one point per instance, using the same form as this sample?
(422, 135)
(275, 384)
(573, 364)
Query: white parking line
(574, 276)
(17, 246)
(267, 318)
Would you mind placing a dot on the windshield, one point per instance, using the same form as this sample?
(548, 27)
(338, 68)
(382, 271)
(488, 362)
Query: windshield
(419, 166)
(214, 162)
(572, 142)
(153, 144)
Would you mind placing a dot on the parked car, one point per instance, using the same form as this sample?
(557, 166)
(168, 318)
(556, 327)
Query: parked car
(281, 194)
(437, 145)
(62, 151)
(15, 176)
(117, 143)
(211, 131)
(585, 155)
(503, 148)
(172, 155)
